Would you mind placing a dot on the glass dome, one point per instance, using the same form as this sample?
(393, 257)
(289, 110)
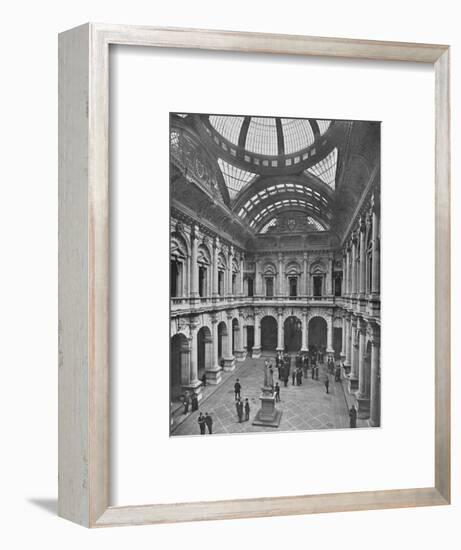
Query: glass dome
(269, 136)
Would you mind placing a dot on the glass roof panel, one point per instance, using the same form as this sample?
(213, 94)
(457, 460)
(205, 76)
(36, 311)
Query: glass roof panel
(318, 226)
(323, 125)
(270, 223)
(235, 177)
(326, 169)
(228, 126)
(297, 134)
(262, 136)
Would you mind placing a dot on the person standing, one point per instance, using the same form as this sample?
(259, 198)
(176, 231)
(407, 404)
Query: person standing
(277, 392)
(209, 423)
(327, 383)
(186, 403)
(240, 410)
(237, 408)
(293, 377)
(201, 423)
(247, 409)
(194, 403)
(285, 376)
(237, 389)
(338, 374)
(204, 380)
(353, 417)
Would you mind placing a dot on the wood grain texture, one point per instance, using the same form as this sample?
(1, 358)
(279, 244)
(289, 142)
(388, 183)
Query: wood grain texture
(269, 43)
(84, 485)
(73, 383)
(442, 277)
(264, 507)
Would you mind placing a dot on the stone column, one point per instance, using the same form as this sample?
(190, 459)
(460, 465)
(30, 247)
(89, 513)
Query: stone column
(375, 267)
(215, 267)
(363, 260)
(213, 373)
(375, 385)
(281, 285)
(229, 272)
(229, 359)
(240, 351)
(303, 290)
(344, 277)
(354, 374)
(347, 360)
(348, 268)
(329, 277)
(257, 281)
(194, 385)
(241, 291)
(363, 395)
(257, 345)
(343, 339)
(354, 267)
(193, 263)
(330, 349)
(304, 332)
(280, 333)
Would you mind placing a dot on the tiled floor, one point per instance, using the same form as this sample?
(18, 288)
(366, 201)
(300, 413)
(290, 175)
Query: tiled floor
(305, 407)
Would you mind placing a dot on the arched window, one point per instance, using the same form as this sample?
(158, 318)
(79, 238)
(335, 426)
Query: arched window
(250, 284)
(269, 287)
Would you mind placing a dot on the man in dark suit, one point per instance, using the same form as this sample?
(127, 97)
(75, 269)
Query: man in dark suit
(240, 410)
(247, 409)
(209, 422)
(201, 423)
(237, 389)
(353, 417)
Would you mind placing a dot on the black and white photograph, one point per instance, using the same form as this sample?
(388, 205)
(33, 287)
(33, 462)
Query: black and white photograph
(274, 274)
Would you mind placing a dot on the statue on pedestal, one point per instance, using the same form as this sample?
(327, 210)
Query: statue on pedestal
(268, 376)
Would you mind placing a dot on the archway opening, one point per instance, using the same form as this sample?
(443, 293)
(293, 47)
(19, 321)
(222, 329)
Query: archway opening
(292, 333)
(317, 331)
(179, 365)
(222, 340)
(204, 343)
(268, 333)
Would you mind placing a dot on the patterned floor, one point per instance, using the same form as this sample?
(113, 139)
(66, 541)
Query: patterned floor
(305, 407)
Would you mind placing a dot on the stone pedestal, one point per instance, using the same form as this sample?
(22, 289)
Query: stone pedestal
(353, 383)
(267, 415)
(256, 353)
(213, 376)
(363, 407)
(229, 364)
(240, 354)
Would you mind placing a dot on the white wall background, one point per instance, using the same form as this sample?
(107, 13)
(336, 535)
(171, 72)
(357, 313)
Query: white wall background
(28, 298)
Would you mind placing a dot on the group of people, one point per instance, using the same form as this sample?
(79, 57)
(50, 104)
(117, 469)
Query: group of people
(303, 362)
(205, 422)
(190, 401)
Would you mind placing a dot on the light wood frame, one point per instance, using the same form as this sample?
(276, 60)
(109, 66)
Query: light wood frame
(84, 274)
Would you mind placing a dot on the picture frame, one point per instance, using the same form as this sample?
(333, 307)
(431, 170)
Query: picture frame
(84, 445)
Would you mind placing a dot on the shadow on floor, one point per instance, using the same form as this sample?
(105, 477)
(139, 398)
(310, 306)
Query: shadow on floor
(50, 505)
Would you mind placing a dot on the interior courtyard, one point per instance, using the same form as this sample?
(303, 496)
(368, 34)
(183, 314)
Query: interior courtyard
(274, 259)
